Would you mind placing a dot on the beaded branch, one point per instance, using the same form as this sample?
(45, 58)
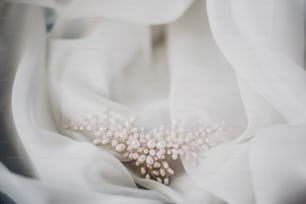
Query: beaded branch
(151, 150)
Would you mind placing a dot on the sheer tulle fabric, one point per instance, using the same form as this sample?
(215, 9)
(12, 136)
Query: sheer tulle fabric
(222, 61)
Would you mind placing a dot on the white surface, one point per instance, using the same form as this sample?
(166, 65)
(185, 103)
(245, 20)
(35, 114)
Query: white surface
(238, 61)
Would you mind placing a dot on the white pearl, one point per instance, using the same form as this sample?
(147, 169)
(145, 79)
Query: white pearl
(135, 155)
(143, 171)
(166, 181)
(98, 133)
(174, 151)
(149, 160)
(148, 136)
(159, 180)
(155, 173)
(130, 149)
(159, 154)
(146, 151)
(161, 144)
(127, 124)
(200, 141)
(136, 135)
(152, 152)
(135, 143)
(120, 147)
(174, 156)
(162, 172)
(135, 130)
(114, 142)
(142, 158)
(96, 141)
(185, 147)
(180, 141)
(105, 141)
(102, 129)
(140, 149)
(126, 154)
(165, 164)
(110, 133)
(170, 171)
(156, 165)
(123, 136)
(151, 144)
(142, 140)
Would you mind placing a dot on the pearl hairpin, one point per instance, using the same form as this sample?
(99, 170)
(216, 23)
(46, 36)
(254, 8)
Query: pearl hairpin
(151, 150)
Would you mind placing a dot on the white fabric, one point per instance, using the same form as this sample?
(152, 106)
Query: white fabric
(238, 61)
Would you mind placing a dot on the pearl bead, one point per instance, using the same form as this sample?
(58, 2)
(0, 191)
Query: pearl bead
(142, 158)
(155, 173)
(146, 151)
(136, 144)
(123, 136)
(149, 160)
(156, 165)
(130, 149)
(174, 151)
(96, 141)
(114, 143)
(166, 181)
(150, 149)
(105, 141)
(127, 124)
(143, 171)
(165, 164)
(120, 147)
(162, 172)
(180, 141)
(174, 156)
(151, 144)
(159, 154)
(170, 171)
(135, 155)
(110, 133)
(161, 144)
(152, 152)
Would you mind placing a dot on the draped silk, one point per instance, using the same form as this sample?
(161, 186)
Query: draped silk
(237, 61)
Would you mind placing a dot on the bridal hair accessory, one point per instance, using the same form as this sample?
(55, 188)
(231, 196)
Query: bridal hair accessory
(151, 150)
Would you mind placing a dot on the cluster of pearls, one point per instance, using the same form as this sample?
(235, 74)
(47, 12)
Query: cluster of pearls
(150, 150)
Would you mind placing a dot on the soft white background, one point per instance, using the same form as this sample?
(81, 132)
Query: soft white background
(237, 61)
